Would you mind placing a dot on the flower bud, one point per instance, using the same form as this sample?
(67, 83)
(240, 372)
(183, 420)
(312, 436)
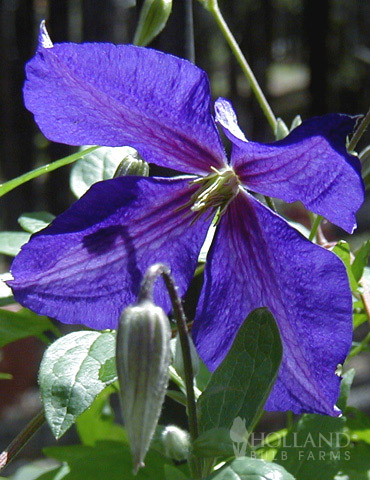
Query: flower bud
(143, 358)
(176, 443)
(178, 360)
(132, 164)
(153, 18)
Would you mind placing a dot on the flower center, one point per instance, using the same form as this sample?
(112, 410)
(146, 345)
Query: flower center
(216, 190)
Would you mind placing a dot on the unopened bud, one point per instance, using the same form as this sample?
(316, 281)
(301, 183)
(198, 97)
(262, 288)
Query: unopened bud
(143, 358)
(281, 130)
(132, 164)
(176, 443)
(153, 18)
(178, 359)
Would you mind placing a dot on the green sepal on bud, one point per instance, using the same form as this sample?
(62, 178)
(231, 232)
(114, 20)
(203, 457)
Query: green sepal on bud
(297, 120)
(132, 164)
(143, 357)
(178, 359)
(176, 443)
(153, 18)
(281, 130)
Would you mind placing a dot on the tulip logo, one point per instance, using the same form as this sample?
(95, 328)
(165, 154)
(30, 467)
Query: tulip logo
(239, 436)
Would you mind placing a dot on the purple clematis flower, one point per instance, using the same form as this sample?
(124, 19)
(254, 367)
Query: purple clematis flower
(87, 265)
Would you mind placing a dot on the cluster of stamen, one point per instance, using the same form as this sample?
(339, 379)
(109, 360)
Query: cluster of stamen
(216, 192)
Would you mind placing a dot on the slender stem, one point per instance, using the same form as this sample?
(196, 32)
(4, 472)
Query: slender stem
(21, 440)
(26, 177)
(189, 31)
(315, 226)
(359, 132)
(215, 11)
(361, 346)
(146, 293)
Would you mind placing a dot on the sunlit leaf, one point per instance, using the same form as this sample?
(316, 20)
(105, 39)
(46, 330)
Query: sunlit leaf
(70, 376)
(241, 384)
(35, 221)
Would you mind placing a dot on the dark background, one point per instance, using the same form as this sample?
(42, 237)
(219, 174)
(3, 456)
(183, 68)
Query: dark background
(310, 56)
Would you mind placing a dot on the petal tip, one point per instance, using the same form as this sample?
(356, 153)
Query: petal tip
(44, 38)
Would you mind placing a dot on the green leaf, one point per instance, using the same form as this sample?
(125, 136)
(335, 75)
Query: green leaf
(173, 473)
(96, 166)
(345, 388)
(97, 422)
(177, 396)
(11, 242)
(6, 294)
(358, 424)
(241, 384)
(342, 250)
(359, 313)
(214, 443)
(355, 463)
(312, 449)
(17, 325)
(70, 376)
(26, 177)
(202, 377)
(5, 376)
(108, 371)
(153, 18)
(37, 470)
(244, 468)
(107, 460)
(360, 261)
(35, 221)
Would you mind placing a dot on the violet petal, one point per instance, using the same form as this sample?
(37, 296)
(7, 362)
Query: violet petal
(88, 264)
(116, 95)
(258, 260)
(311, 165)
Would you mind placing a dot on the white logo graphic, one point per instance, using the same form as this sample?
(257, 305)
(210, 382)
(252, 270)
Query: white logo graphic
(239, 436)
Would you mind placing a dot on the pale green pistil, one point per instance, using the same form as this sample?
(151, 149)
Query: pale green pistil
(217, 190)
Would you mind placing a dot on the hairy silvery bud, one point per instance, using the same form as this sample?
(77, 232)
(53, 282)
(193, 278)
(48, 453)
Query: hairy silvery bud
(178, 360)
(132, 164)
(176, 443)
(143, 358)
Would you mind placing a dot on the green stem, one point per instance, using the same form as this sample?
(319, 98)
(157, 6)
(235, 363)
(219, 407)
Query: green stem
(21, 440)
(215, 11)
(26, 177)
(189, 31)
(145, 292)
(359, 132)
(315, 226)
(361, 346)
